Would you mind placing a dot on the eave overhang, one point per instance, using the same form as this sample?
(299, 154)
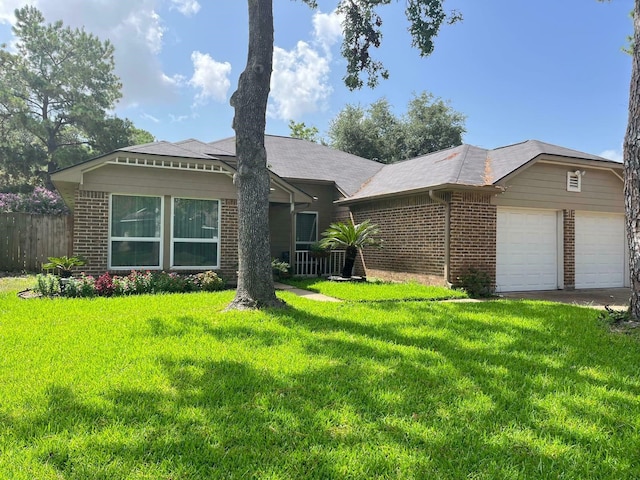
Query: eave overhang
(495, 189)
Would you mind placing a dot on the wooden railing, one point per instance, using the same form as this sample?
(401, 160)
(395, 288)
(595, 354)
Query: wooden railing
(307, 266)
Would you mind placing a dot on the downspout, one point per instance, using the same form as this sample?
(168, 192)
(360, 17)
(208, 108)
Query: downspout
(447, 232)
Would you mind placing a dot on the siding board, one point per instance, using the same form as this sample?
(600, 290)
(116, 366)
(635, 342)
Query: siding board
(545, 186)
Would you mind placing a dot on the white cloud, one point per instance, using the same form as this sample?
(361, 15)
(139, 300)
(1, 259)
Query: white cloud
(299, 83)
(210, 77)
(612, 155)
(300, 79)
(327, 28)
(7, 8)
(136, 31)
(148, 116)
(186, 7)
(178, 118)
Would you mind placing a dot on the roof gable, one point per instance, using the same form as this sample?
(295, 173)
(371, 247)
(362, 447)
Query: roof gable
(465, 166)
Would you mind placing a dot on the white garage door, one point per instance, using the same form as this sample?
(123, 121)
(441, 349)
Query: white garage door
(600, 244)
(526, 250)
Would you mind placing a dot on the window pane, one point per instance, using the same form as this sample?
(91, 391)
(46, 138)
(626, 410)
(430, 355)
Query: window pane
(135, 254)
(133, 216)
(195, 218)
(191, 254)
(306, 227)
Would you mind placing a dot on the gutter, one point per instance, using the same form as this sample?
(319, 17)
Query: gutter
(447, 232)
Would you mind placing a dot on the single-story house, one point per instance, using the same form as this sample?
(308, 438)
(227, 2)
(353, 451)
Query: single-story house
(534, 216)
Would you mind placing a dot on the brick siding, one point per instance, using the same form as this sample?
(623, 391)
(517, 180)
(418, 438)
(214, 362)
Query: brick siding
(413, 233)
(91, 230)
(229, 240)
(473, 234)
(569, 247)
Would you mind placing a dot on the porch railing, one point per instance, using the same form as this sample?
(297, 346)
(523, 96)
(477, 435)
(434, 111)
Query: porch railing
(308, 266)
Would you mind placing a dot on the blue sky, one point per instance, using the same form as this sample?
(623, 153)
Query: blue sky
(552, 70)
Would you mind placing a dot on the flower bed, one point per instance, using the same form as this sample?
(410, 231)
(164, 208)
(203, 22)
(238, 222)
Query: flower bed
(135, 283)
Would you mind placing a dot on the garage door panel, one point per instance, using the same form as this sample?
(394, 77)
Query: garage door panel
(600, 244)
(526, 250)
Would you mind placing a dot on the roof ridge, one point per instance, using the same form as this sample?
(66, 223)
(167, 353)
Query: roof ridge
(513, 144)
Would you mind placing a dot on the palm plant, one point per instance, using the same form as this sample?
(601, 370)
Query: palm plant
(352, 237)
(64, 264)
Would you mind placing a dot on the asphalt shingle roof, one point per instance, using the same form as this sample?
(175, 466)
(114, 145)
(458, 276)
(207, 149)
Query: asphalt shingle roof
(359, 178)
(293, 158)
(464, 165)
(164, 148)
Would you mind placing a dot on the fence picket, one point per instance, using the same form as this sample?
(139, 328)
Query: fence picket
(26, 241)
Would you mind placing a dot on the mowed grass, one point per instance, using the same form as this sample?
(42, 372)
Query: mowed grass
(375, 291)
(172, 387)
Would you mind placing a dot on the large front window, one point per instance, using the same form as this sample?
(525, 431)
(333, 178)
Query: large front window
(135, 232)
(306, 230)
(195, 241)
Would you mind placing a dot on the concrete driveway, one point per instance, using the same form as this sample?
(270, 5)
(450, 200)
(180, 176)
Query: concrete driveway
(617, 298)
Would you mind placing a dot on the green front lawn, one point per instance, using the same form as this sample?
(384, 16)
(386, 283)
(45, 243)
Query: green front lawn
(171, 387)
(375, 291)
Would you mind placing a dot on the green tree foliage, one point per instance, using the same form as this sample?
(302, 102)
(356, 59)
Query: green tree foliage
(362, 29)
(429, 125)
(300, 130)
(55, 92)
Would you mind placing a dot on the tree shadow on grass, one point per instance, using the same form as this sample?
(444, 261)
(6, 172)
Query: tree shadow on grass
(429, 392)
(556, 391)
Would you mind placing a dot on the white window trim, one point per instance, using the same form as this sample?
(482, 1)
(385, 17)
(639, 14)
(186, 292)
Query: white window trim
(296, 229)
(112, 239)
(215, 240)
(574, 181)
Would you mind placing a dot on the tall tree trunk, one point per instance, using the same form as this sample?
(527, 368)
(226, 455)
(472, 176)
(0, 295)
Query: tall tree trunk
(255, 277)
(632, 171)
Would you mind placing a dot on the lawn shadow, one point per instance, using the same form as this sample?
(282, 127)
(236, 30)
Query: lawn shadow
(424, 391)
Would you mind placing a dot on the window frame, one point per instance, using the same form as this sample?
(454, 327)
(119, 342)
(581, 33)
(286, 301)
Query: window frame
(309, 243)
(215, 240)
(159, 240)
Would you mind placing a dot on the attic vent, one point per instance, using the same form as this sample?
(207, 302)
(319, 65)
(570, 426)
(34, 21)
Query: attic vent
(574, 181)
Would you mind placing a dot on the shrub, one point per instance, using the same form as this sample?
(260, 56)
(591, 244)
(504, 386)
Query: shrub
(209, 281)
(47, 285)
(477, 283)
(104, 285)
(141, 282)
(122, 286)
(280, 269)
(39, 201)
(107, 285)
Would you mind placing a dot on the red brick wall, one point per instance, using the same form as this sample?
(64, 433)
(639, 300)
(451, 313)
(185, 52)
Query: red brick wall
(91, 230)
(569, 243)
(229, 240)
(413, 234)
(473, 234)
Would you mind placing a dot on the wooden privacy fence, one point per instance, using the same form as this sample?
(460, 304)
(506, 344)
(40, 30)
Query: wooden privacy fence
(26, 240)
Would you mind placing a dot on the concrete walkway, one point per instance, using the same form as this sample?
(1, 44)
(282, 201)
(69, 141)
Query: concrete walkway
(305, 293)
(616, 298)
